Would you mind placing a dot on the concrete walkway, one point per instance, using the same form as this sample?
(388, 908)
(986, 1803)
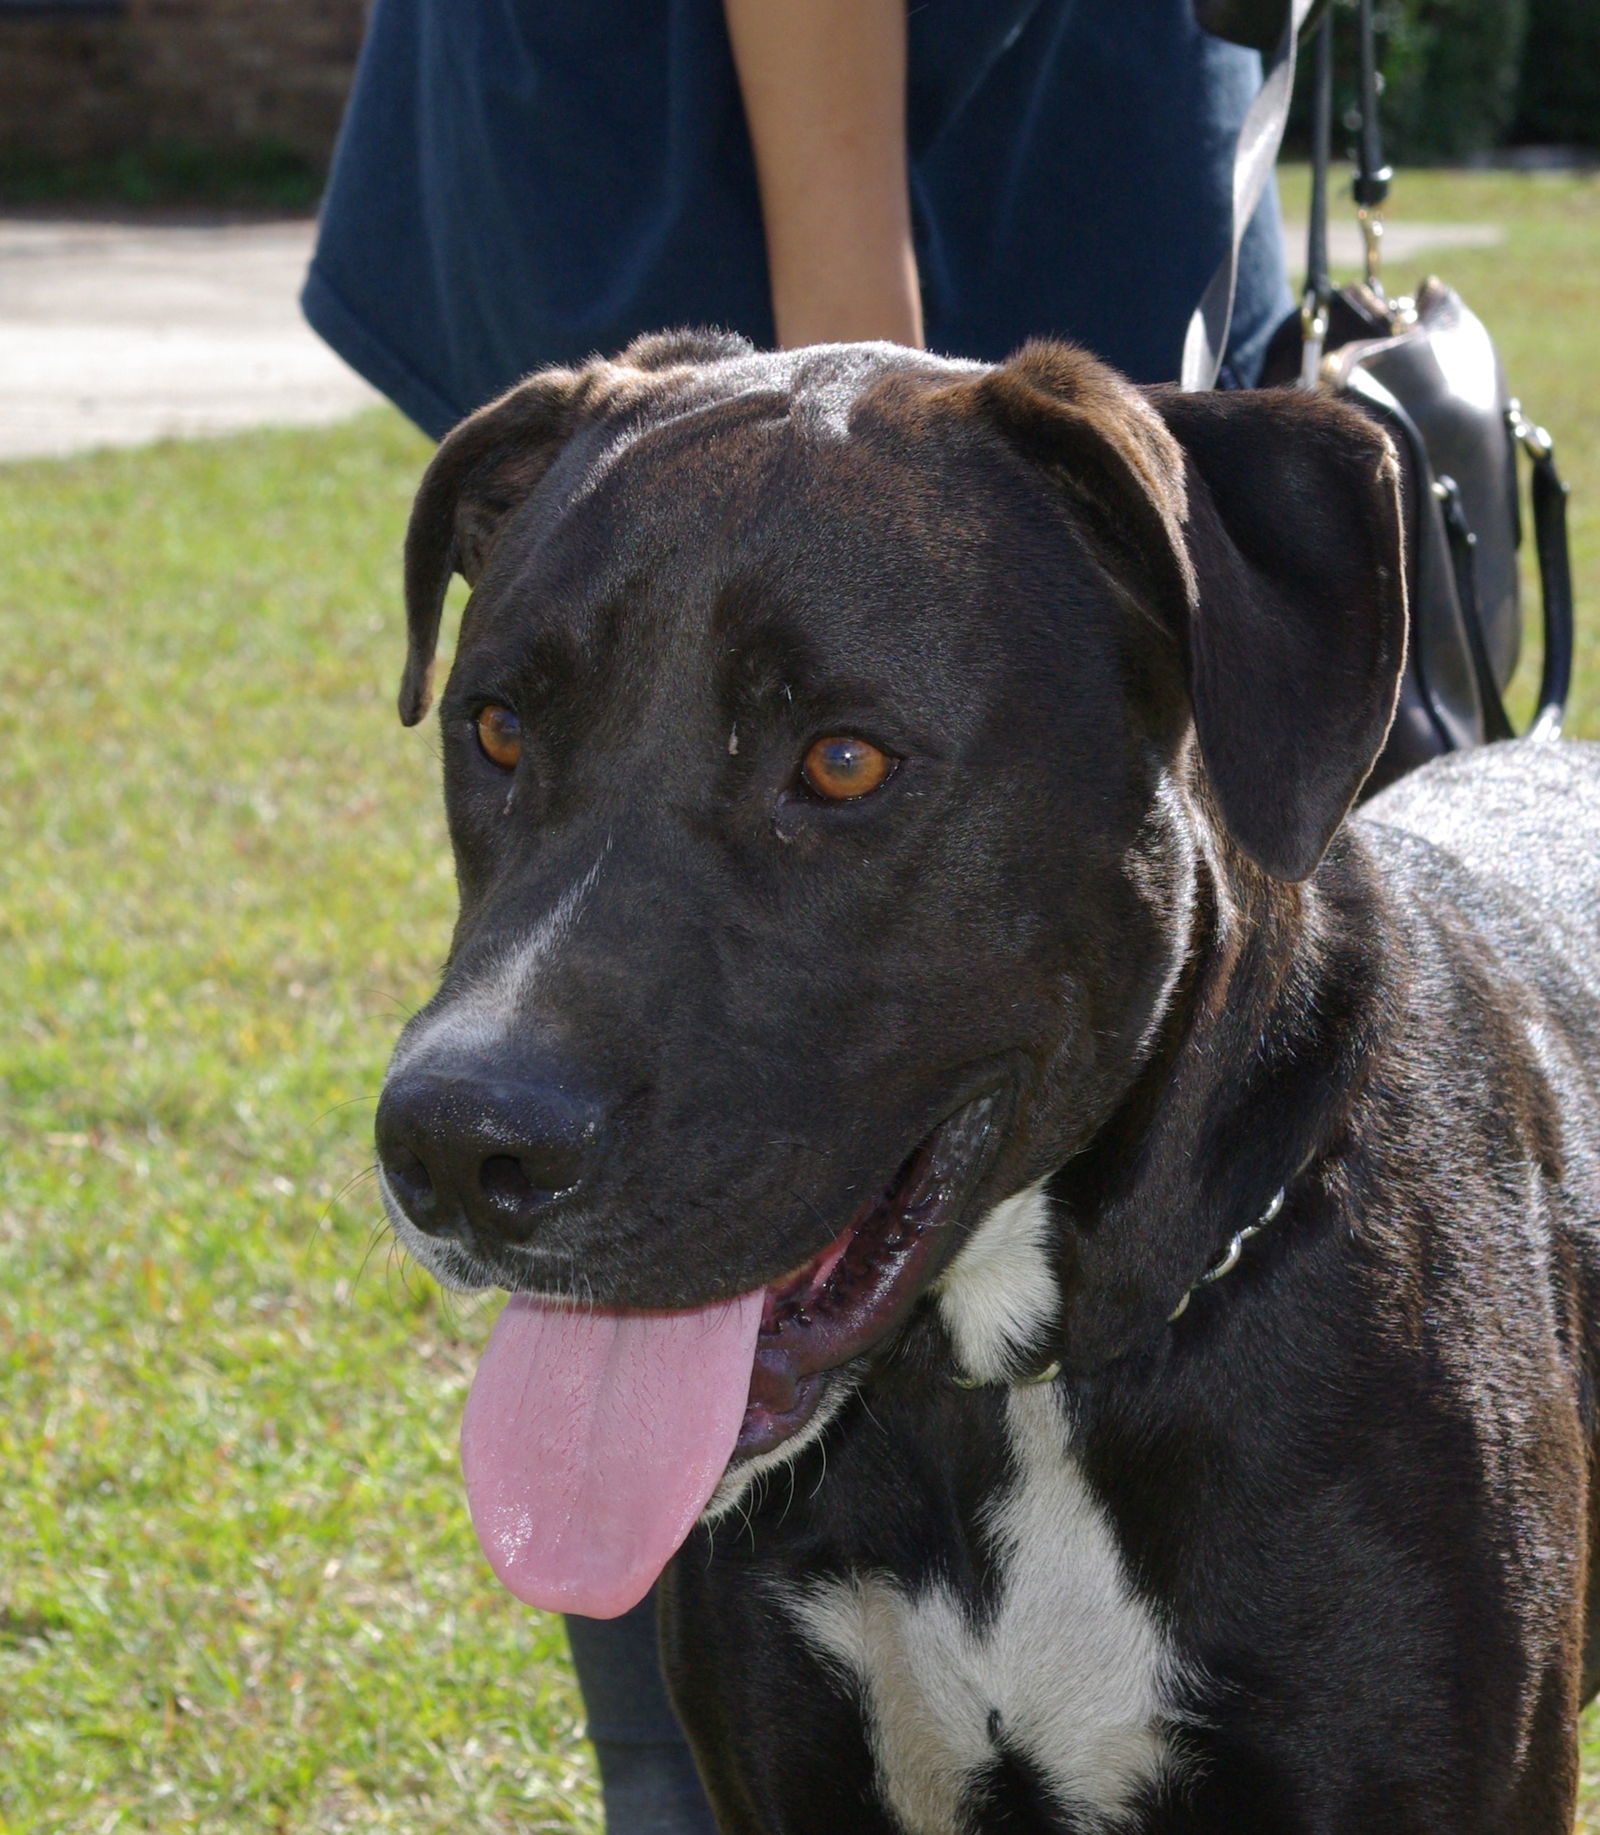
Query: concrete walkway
(118, 333)
(1402, 242)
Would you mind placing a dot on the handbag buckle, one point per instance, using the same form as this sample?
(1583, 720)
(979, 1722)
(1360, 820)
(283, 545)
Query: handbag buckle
(1528, 434)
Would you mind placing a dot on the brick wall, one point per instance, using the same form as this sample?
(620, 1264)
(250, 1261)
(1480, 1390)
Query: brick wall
(214, 73)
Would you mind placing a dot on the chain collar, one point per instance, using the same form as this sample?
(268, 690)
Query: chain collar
(1225, 1263)
(1228, 1260)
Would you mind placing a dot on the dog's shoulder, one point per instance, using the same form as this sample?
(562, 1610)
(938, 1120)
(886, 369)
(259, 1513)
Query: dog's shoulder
(1524, 819)
(1490, 863)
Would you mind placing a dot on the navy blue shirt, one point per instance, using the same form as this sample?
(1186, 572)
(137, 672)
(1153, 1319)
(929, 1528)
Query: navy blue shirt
(519, 183)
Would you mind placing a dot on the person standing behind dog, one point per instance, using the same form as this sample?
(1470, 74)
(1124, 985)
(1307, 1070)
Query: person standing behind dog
(518, 184)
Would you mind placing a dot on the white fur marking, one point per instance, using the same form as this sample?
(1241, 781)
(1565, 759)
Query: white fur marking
(999, 1294)
(1082, 1678)
(479, 1017)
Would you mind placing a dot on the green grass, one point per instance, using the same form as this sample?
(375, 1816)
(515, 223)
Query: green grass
(238, 1590)
(237, 1585)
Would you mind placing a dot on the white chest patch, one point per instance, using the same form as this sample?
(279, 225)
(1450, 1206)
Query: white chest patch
(1000, 1292)
(1072, 1671)
(995, 1298)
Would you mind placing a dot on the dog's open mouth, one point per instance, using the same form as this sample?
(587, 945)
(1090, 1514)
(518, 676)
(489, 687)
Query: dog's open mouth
(593, 1439)
(855, 1291)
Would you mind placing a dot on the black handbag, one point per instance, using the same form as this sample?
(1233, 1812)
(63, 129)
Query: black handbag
(1427, 369)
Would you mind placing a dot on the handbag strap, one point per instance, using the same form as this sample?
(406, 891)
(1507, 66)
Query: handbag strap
(1463, 546)
(1555, 586)
(1255, 154)
(1371, 184)
(1555, 573)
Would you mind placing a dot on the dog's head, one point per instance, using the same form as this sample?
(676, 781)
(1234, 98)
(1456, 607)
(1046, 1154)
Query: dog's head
(829, 748)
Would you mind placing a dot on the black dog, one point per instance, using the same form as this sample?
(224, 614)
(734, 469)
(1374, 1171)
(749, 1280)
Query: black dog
(906, 901)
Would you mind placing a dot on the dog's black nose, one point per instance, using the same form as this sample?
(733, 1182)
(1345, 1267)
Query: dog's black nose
(477, 1160)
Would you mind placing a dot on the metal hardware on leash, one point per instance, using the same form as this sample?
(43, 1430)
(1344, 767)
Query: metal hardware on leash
(1371, 186)
(1228, 1260)
(1319, 282)
(1313, 336)
(1370, 217)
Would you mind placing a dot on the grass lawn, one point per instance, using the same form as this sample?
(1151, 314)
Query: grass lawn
(238, 1590)
(237, 1585)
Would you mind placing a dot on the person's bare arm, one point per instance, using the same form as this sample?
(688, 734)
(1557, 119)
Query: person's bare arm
(824, 95)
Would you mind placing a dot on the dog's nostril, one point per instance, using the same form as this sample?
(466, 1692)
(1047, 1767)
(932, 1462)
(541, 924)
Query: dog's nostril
(408, 1177)
(506, 1185)
(515, 1186)
(412, 1188)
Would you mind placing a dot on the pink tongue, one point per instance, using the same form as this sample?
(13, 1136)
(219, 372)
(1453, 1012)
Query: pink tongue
(592, 1440)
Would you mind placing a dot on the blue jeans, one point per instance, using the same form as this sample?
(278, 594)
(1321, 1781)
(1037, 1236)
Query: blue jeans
(651, 1786)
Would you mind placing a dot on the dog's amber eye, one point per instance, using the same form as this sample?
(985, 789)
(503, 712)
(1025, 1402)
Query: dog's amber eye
(500, 735)
(840, 766)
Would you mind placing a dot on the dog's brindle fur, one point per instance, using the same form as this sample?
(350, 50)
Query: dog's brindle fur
(1314, 1555)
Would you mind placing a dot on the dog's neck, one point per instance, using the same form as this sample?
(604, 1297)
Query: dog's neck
(1265, 1044)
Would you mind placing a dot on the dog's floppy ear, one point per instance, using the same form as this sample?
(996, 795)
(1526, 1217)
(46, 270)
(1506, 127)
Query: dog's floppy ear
(494, 460)
(1263, 530)
(1298, 639)
(486, 465)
